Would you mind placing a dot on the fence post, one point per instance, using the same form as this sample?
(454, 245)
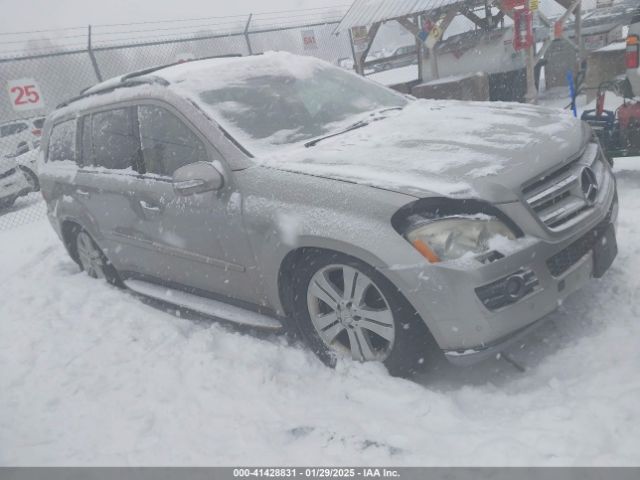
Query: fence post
(94, 62)
(246, 34)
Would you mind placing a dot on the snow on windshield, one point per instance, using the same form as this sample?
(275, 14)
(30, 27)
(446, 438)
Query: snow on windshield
(277, 98)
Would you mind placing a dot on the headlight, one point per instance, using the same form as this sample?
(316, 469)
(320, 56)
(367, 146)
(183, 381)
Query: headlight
(453, 237)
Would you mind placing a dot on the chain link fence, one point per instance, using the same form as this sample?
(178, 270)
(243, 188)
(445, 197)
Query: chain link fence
(36, 82)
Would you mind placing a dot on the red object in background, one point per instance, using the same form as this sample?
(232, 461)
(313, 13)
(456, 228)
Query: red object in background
(632, 54)
(558, 29)
(427, 24)
(511, 4)
(627, 113)
(600, 104)
(522, 28)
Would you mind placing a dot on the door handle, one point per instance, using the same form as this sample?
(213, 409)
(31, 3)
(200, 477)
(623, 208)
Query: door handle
(149, 207)
(82, 193)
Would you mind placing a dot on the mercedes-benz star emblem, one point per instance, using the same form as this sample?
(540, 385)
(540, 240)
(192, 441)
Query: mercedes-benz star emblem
(589, 184)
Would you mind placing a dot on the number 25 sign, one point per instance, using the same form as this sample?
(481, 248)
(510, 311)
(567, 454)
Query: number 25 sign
(24, 94)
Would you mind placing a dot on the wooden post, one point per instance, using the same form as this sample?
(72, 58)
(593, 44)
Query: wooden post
(532, 93)
(419, 46)
(579, 40)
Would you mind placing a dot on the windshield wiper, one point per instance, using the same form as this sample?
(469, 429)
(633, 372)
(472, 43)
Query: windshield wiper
(358, 124)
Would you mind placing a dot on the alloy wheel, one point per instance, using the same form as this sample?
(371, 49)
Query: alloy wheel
(350, 313)
(89, 255)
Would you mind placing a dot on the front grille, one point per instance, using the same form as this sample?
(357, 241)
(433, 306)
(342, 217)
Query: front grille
(8, 173)
(497, 294)
(569, 256)
(558, 198)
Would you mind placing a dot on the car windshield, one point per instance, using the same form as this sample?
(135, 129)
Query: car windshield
(266, 108)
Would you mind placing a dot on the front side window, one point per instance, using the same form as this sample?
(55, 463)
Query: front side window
(115, 143)
(62, 142)
(167, 143)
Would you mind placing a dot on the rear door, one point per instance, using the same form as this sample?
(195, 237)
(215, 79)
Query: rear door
(106, 185)
(197, 241)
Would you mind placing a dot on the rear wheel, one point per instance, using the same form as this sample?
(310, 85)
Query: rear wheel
(92, 260)
(345, 308)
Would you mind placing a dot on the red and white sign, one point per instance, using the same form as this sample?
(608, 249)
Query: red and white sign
(522, 28)
(309, 40)
(25, 94)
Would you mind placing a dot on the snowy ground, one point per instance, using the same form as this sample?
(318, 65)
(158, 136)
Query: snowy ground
(90, 375)
(26, 209)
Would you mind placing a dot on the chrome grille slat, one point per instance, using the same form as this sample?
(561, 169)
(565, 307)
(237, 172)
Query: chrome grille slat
(552, 191)
(557, 198)
(563, 210)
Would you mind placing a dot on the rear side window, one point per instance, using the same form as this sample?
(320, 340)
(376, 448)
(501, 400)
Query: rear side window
(167, 143)
(62, 142)
(12, 129)
(115, 143)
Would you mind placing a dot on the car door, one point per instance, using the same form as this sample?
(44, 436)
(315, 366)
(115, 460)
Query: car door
(199, 240)
(105, 185)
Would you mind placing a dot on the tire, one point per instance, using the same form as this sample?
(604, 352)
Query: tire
(32, 179)
(92, 260)
(373, 322)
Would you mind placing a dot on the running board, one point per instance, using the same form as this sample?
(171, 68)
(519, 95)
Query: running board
(204, 305)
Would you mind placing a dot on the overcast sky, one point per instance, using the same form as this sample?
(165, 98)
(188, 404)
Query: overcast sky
(46, 14)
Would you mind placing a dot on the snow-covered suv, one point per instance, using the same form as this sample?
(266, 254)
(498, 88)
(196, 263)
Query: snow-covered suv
(281, 190)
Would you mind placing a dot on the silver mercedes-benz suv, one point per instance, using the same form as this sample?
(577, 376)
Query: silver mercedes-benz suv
(278, 190)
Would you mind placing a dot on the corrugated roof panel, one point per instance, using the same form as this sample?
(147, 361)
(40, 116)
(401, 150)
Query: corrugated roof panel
(366, 12)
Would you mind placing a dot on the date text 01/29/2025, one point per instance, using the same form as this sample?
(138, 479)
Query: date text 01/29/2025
(312, 472)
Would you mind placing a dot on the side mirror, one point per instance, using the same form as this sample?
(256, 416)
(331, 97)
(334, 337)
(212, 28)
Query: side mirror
(195, 178)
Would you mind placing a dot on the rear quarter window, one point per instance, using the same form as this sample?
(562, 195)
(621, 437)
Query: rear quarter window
(62, 142)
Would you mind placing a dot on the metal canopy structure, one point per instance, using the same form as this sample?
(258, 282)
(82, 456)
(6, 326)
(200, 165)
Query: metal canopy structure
(367, 12)
(364, 18)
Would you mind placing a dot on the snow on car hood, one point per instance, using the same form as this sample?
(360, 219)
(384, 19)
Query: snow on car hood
(449, 148)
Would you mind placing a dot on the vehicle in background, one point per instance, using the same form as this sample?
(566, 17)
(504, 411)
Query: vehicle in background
(20, 136)
(401, 57)
(619, 130)
(279, 190)
(27, 162)
(13, 183)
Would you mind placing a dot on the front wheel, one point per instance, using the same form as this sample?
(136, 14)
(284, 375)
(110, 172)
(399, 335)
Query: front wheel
(345, 308)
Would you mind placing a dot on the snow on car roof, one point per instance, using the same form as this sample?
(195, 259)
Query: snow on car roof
(202, 75)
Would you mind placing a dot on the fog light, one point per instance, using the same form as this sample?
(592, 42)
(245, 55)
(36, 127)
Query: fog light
(514, 286)
(508, 289)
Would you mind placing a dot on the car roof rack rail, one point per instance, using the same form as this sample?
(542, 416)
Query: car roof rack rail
(133, 82)
(133, 79)
(149, 70)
